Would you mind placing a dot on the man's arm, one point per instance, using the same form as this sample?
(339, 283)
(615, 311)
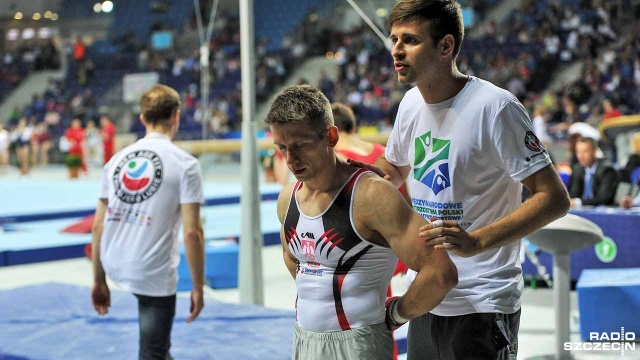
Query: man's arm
(283, 204)
(379, 209)
(194, 252)
(100, 295)
(548, 201)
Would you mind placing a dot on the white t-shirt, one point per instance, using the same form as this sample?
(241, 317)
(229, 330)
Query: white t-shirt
(145, 184)
(4, 140)
(469, 154)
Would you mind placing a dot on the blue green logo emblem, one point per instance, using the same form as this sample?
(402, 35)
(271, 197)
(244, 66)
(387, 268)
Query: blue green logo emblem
(431, 165)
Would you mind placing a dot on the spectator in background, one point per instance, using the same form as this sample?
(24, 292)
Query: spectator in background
(76, 138)
(94, 144)
(79, 51)
(592, 182)
(634, 159)
(4, 148)
(22, 136)
(632, 163)
(108, 133)
(609, 111)
(40, 145)
(540, 125)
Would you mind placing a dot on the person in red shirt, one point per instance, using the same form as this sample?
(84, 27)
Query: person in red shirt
(609, 111)
(108, 133)
(76, 138)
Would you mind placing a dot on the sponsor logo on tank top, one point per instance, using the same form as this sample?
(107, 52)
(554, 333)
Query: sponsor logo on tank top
(309, 249)
(138, 176)
(431, 164)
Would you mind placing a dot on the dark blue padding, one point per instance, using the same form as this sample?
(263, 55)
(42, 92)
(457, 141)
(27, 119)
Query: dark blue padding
(17, 257)
(56, 321)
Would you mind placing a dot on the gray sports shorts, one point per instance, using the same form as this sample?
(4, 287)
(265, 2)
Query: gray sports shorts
(372, 342)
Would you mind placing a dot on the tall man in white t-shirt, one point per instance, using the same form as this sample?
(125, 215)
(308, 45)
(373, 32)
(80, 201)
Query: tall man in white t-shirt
(148, 189)
(465, 147)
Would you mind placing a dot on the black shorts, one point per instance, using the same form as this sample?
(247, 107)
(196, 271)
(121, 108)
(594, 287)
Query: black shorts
(464, 337)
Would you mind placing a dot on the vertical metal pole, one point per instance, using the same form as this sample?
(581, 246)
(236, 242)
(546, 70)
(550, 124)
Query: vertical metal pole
(204, 88)
(250, 264)
(561, 289)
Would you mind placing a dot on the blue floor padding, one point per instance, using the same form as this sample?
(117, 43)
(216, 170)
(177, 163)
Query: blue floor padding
(56, 321)
(36, 241)
(33, 200)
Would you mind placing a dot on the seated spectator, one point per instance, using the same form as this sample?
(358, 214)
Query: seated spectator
(609, 111)
(634, 159)
(592, 182)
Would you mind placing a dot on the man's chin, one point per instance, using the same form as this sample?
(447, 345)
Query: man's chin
(404, 80)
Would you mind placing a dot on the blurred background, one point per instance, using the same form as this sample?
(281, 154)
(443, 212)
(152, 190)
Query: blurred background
(75, 69)
(568, 61)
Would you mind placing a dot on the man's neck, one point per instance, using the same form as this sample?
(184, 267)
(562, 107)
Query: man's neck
(331, 180)
(444, 87)
(159, 129)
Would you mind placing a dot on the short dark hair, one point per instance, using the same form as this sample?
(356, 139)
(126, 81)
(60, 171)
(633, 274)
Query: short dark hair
(159, 103)
(444, 17)
(343, 117)
(590, 141)
(301, 103)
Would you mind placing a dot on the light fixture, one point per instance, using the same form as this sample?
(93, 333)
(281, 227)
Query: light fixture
(107, 6)
(18, 16)
(54, 16)
(37, 16)
(97, 7)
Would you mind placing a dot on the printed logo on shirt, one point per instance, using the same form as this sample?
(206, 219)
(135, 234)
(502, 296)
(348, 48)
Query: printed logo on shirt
(309, 249)
(532, 142)
(431, 165)
(310, 271)
(138, 176)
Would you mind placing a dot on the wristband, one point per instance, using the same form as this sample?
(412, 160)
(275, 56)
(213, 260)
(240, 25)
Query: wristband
(392, 312)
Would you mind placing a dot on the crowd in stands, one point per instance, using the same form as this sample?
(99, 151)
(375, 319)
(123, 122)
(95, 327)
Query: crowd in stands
(518, 53)
(16, 65)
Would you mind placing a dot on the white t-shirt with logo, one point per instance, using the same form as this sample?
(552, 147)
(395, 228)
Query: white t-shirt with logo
(468, 155)
(145, 184)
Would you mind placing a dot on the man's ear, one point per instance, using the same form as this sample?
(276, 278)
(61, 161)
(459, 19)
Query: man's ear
(333, 136)
(142, 120)
(176, 117)
(447, 43)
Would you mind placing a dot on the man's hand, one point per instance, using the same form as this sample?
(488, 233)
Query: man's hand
(371, 167)
(626, 202)
(448, 235)
(197, 303)
(101, 298)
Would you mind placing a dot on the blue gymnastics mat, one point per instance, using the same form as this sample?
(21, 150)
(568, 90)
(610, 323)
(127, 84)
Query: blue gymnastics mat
(56, 321)
(36, 241)
(34, 200)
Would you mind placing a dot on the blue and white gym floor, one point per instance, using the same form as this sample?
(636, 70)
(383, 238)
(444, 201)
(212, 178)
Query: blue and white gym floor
(45, 308)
